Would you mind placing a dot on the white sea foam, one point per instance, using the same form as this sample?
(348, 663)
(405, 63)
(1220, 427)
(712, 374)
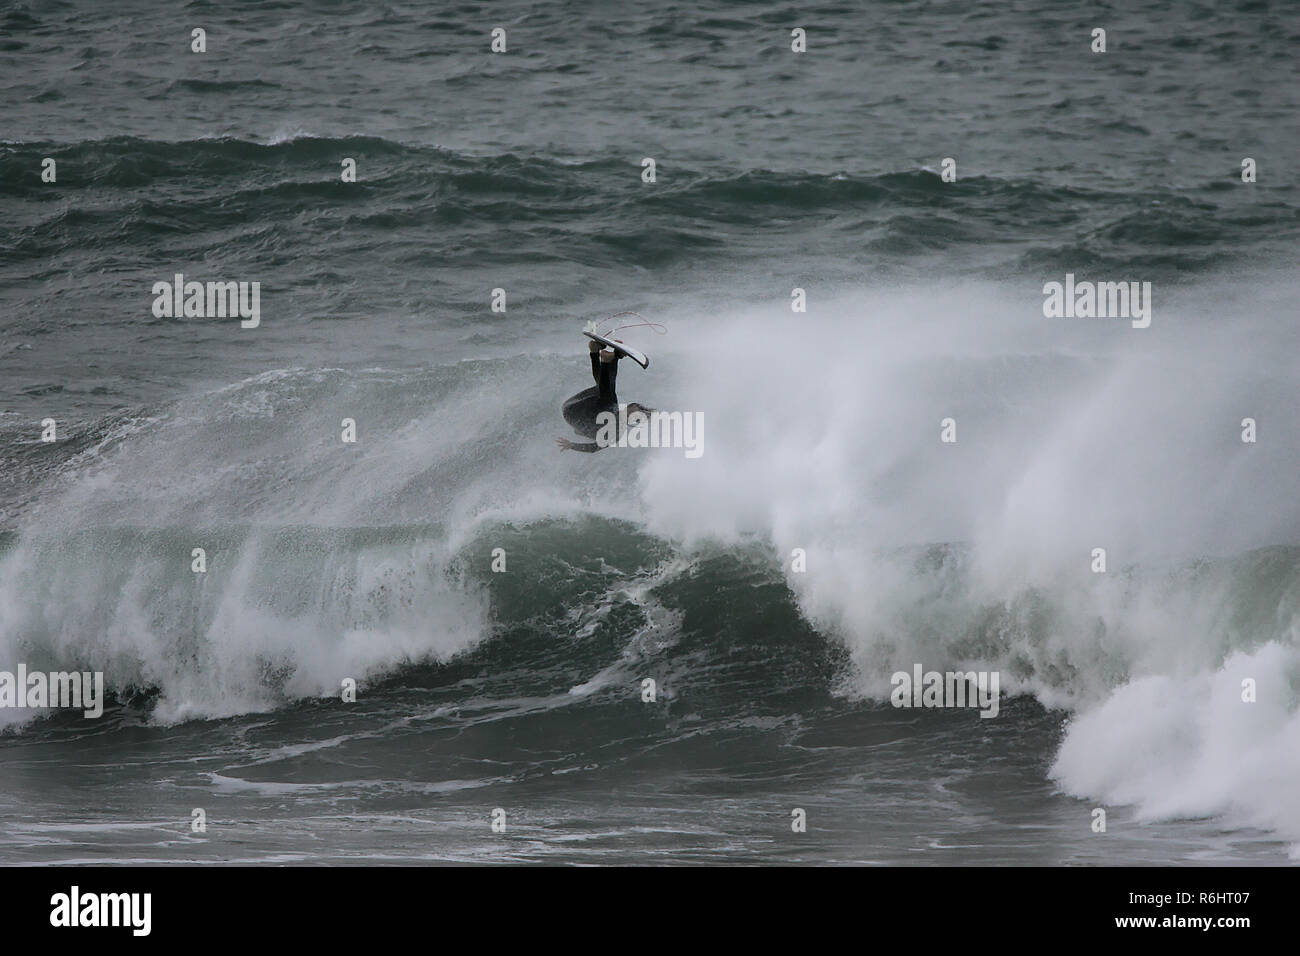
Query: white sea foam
(1070, 436)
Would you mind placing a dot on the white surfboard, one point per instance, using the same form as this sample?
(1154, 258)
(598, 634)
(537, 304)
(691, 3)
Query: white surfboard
(639, 357)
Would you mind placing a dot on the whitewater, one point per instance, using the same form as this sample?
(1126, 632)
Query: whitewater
(329, 561)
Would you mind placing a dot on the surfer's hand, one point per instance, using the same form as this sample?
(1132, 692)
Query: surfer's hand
(564, 443)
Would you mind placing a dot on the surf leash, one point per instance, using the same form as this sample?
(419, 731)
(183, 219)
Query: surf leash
(655, 326)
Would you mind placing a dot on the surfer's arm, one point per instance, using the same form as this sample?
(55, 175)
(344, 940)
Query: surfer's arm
(566, 445)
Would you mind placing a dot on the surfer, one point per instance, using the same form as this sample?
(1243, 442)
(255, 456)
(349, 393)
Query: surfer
(582, 410)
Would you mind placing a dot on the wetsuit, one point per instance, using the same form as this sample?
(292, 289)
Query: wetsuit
(581, 410)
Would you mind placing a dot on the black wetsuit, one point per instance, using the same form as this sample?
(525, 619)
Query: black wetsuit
(581, 410)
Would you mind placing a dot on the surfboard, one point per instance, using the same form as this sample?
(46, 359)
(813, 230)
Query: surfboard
(639, 357)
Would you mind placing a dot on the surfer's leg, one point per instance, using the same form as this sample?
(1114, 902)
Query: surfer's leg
(608, 374)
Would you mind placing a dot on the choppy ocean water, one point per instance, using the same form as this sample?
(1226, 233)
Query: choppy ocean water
(522, 690)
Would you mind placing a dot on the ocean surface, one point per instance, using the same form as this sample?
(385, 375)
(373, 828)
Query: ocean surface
(824, 539)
